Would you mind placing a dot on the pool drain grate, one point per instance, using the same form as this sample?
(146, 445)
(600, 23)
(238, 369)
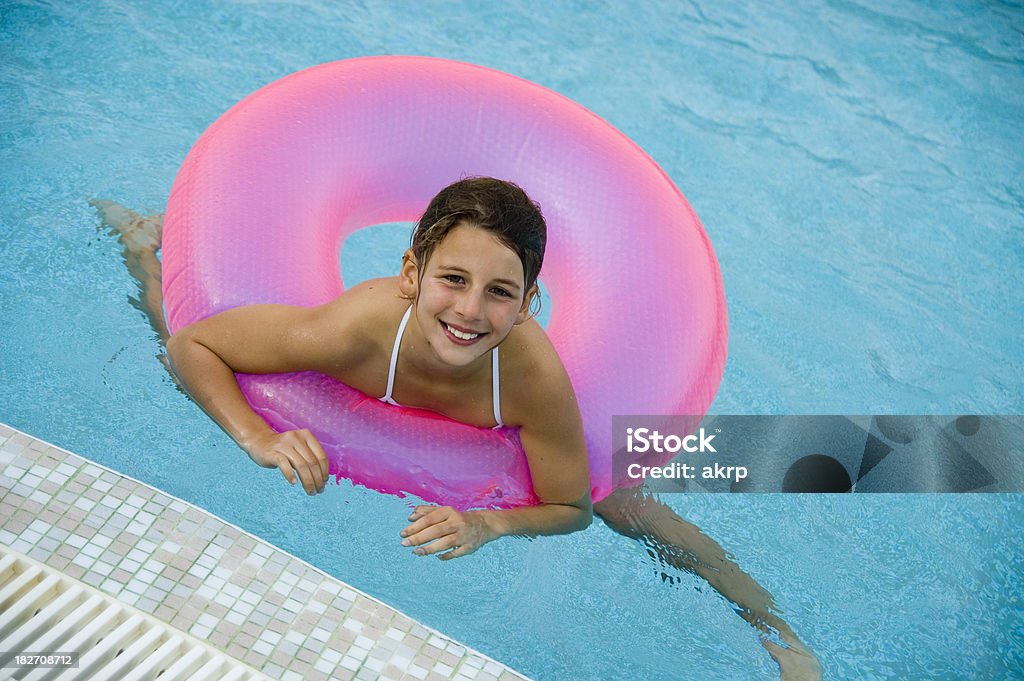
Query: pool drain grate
(44, 611)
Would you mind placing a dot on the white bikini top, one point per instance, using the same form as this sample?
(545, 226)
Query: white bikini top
(495, 384)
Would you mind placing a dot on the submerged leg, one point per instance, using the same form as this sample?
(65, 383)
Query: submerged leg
(682, 545)
(140, 237)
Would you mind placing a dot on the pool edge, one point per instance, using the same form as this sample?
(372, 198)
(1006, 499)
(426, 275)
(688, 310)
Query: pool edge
(204, 575)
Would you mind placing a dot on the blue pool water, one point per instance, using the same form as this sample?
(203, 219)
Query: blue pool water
(858, 168)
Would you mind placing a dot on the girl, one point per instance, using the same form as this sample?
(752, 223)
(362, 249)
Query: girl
(453, 333)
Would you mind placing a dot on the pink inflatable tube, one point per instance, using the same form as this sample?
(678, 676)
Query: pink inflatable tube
(267, 195)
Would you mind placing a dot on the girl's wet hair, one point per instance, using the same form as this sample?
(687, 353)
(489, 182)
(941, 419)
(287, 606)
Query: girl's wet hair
(500, 207)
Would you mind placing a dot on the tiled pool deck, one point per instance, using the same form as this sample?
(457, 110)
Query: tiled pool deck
(204, 576)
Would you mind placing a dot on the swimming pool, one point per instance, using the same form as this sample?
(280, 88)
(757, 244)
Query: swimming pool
(857, 168)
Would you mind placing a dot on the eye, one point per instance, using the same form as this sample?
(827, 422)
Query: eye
(453, 278)
(501, 292)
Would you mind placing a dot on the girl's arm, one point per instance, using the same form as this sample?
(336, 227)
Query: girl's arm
(551, 431)
(256, 339)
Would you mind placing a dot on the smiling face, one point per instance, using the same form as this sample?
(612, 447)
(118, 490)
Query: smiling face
(469, 296)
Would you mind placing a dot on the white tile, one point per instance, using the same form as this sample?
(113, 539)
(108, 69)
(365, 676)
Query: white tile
(130, 565)
(153, 565)
(129, 597)
(84, 504)
(223, 599)
(31, 479)
(137, 528)
(207, 561)
(271, 637)
(200, 631)
(101, 540)
(102, 568)
(83, 560)
(31, 536)
(14, 472)
(170, 546)
(250, 597)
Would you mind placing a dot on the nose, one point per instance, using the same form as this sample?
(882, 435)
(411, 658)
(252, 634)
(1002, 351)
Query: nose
(469, 305)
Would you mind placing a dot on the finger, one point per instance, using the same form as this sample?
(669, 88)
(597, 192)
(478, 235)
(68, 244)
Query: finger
(442, 544)
(321, 457)
(420, 511)
(425, 536)
(429, 515)
(286, 469)
(431, 534)
(458, 551)
(306, 467)
(436, 518)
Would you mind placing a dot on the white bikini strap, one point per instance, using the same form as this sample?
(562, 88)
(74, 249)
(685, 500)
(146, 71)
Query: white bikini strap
(394, 356)
(496, 388)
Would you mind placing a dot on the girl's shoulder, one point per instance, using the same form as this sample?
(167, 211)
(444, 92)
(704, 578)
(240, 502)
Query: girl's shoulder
(360, 314)
(372, 295)
(533, 376)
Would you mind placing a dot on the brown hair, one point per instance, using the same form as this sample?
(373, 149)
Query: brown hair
(500, 207)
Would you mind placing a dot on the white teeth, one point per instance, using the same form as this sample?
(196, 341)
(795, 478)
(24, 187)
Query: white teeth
(460, 335)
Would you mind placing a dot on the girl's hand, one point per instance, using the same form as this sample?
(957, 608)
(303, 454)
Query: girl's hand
(443, 528)
(297, 453)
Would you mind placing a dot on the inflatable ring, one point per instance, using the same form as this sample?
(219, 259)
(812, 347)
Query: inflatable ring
(265, 198)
